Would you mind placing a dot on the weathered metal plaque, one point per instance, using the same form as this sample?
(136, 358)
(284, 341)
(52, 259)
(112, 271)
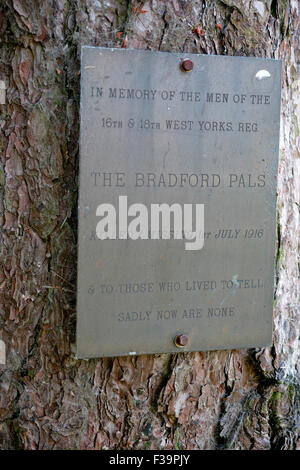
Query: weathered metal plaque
(160, 147)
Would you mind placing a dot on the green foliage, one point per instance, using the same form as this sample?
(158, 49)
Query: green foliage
(177, 445)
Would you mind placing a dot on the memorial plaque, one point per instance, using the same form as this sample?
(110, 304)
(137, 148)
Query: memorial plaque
(177, 202)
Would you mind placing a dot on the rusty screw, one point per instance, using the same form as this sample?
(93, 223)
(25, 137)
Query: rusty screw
(187, 65)
(181, 340)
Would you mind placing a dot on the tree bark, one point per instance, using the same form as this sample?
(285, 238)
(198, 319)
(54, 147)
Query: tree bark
(239, 399)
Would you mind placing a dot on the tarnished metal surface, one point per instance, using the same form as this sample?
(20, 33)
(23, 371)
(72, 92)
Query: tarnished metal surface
(156, 133)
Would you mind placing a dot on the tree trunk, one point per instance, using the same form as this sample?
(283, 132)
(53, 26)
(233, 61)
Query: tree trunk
(240, 399)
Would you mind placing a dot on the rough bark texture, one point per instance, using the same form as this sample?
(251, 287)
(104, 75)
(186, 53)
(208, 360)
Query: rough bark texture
(49, 399)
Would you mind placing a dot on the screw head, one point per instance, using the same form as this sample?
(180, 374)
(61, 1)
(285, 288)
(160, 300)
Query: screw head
(187, 65)
(181, 340)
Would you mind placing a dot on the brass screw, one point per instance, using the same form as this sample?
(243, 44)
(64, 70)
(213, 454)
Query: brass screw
(187, 65)
(181, 340)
